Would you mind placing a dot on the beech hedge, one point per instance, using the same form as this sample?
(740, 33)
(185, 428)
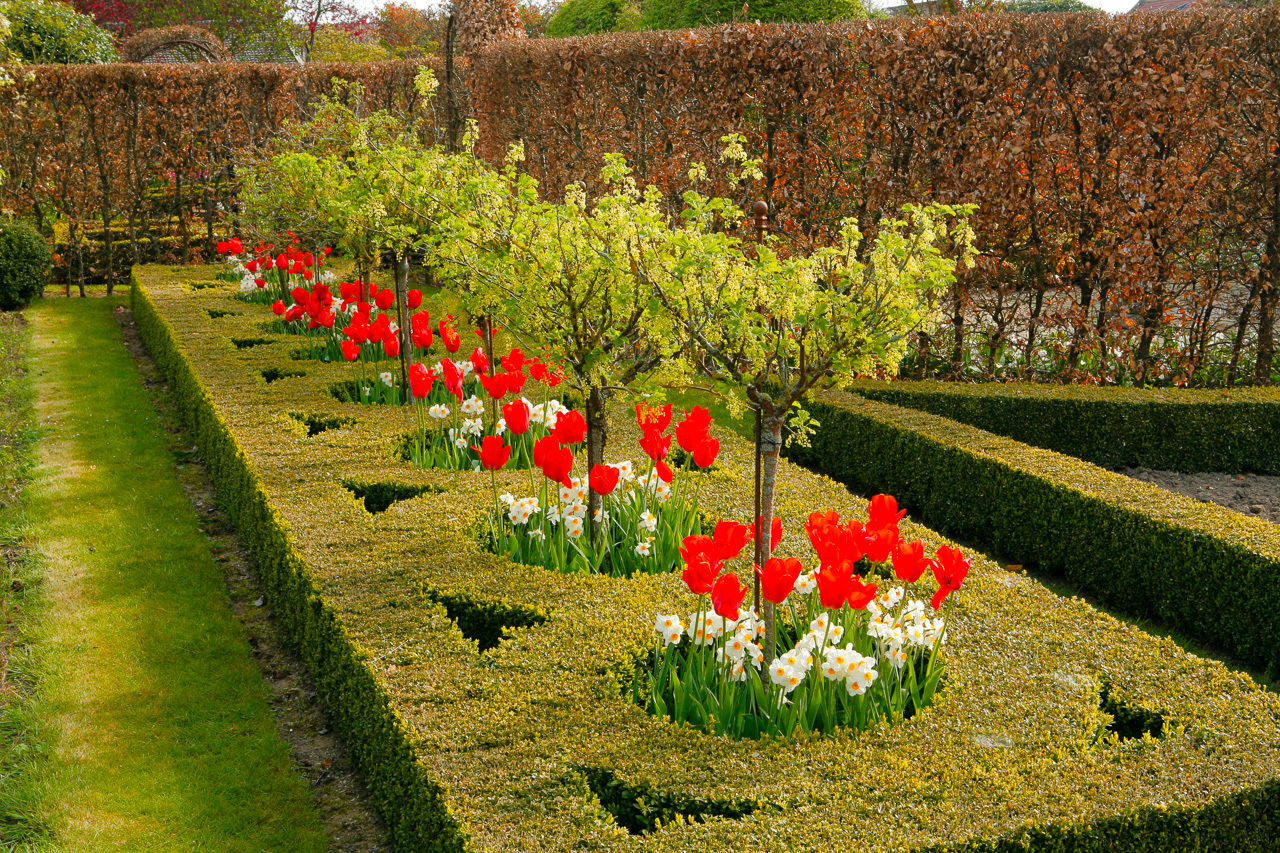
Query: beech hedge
(530, 745)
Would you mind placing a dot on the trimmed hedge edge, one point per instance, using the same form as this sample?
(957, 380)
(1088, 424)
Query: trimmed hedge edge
(401, 789)
(1199, 569)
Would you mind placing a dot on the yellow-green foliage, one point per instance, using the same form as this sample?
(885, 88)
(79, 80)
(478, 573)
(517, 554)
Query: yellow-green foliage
(508, 749)
(1177, 429)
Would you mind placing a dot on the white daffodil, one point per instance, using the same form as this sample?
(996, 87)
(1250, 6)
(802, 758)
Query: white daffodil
(805, 583)
(473, 406)
(644, 547)
(386, 378)
(862, 674)
(472, 426)
(648, 521)
(573, 526)
(439, 411)
(670, 627)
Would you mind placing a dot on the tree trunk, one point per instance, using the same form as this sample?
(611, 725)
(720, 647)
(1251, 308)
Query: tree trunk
(402, 319)
(769, 449)
(1028, 350)
(1237, 346)
(957, 345)
(597, 435)
(1269, 286)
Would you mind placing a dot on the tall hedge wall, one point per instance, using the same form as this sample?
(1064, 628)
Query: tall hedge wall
(1125, 167)
(139, 161)
(1170, 428)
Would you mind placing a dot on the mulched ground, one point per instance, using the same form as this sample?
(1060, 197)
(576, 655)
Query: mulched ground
(340, 796)
(1248, 494)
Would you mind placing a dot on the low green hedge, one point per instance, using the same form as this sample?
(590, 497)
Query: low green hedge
(529, 745)
(1198, 568)
(1170, 429)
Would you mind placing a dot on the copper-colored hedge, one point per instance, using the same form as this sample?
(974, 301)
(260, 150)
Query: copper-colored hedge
(1126, 168)
(147, 152)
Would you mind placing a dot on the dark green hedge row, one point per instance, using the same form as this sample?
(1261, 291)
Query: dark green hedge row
(1169, 429)
(378, 739)
(1198, 568)
(484, 698)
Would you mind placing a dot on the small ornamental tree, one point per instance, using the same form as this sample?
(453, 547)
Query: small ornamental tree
(777, 327)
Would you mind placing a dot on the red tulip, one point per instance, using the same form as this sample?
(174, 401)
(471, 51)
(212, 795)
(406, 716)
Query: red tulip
(880, 543)
(700, 574)
(493, 451)
(604, 479)
(571, 427)
(277, 307)
(704, 455)
(691, 431)
(479, 361)
(665, 474)
(391, 344)
(514, 361)
(294, 313)
(420, 380)
(385, 298)
(557, 464)
(414, 300)
(350, 350)
(516, 414)
(729, 539)
(546, 374)
(449, 335)
(515, 381)
(422, 338)
(653, 418)
(950, 568)
(655, 445)
(778, 578)
(452, 377)
(909, 561)
(883, 512)
(726, 595)
(860, 594)
(834, 586)
(496, 384)
(420, 321)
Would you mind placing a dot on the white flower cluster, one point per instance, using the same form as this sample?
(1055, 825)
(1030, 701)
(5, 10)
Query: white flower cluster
(740, 647)
(520, 511)
(908, 629)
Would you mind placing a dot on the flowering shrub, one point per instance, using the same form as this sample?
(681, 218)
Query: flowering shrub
(644, 515)
(843, 654)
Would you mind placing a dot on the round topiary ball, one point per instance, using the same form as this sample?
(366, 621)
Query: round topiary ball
(24, 265)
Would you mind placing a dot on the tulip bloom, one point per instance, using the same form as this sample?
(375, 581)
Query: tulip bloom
(700, 574)
(729, 539)
(950, 568)
(516, 414)
(860, 594)
(909, 561)
(653, 418)
(834, 587)
(277, 307)
(778, 578)
(421, 379)
(655, 445)
(880, 543)
(350, 350)
(514, 361)
(691, 431)
(452, 377)
(704, 455)
(496, 384)
(603, 479)
(557, 464)
(415, 299)
(449, 335)
(571, 428)
(479, 361)
(391, 344)
(726, 595)
(493, 451)
(883, 512)
(665, 474)
(775, 532)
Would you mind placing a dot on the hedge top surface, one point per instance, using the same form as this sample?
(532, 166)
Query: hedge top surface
(514, 734)
(1082, 393)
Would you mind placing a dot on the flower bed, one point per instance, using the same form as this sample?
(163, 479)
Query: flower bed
(533, 743)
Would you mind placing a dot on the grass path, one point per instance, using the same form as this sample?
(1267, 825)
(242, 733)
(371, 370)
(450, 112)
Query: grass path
(162, 730)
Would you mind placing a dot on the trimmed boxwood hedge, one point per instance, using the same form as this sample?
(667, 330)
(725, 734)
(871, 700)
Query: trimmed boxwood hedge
(1198, 568)
(1172, 429)
(531, 746)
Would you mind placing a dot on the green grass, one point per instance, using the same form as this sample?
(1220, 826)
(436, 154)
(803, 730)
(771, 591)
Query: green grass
(162, 734)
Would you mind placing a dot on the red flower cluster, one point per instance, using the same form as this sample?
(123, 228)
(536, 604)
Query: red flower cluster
(693, 436)
(230, 247)
(705, 558)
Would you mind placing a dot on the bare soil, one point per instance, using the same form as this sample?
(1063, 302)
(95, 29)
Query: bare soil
(320, 754)
(1249, 494)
